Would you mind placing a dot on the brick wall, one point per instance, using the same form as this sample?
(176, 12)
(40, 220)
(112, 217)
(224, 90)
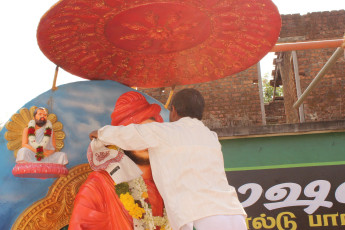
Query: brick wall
(275, 112)
(234, 100)
(231, 101)
(326, 101)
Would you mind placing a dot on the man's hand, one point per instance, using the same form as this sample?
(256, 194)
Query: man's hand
(93, 134)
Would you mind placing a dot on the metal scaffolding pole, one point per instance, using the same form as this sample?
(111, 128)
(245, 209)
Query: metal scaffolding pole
(340, 43)
(281, 47)
(262, 105)
(338, 53)
(298, 85)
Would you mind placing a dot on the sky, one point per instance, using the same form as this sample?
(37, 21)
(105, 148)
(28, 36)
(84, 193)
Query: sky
(26, 73)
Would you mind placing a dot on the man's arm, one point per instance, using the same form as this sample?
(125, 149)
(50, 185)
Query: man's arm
(131, 137)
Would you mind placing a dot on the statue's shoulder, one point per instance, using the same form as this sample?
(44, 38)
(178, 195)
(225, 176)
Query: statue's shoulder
(100, 176)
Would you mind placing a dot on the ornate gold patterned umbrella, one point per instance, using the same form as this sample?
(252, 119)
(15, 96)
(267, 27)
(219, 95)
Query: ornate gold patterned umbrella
(154, 43)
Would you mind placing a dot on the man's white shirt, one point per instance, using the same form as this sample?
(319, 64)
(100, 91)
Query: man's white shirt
(187, 167)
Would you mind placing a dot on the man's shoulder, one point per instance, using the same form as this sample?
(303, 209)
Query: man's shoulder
(184, 122)
(189, 121)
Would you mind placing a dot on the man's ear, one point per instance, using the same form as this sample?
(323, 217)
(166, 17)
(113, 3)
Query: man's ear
(174, 114)
(173, 110)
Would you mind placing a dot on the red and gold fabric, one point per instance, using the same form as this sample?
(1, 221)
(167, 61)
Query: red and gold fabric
(97, 206)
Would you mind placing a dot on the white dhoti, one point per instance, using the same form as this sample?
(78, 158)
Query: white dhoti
(25, 155)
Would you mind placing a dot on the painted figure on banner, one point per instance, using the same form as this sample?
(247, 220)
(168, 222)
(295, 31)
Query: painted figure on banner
(120, 193)
(38, 142)
(38, 155)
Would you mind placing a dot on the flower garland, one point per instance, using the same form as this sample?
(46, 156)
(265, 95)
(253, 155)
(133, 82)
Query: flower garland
(32, 138)
(133, 194)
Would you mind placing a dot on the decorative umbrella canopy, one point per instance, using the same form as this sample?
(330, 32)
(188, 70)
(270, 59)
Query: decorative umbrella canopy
(154, 43)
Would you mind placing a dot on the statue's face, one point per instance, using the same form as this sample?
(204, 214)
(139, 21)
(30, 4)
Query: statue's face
(41, 117)
(140, 157)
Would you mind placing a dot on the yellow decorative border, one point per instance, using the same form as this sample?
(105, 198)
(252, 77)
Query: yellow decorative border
(20, 121)
(54, 211)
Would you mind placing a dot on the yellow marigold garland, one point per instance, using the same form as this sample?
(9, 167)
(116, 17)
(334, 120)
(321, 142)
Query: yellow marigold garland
(133, 208)
(132, 194)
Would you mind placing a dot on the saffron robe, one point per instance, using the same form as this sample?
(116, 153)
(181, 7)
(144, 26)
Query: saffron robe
(97, 206)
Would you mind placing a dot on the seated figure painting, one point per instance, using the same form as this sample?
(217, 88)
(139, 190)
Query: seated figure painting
(37, 156)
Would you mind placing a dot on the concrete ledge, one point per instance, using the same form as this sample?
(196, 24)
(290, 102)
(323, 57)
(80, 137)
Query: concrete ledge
(281, 130)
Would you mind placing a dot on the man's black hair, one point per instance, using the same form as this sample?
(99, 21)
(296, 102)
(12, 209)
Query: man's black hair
(189, 103)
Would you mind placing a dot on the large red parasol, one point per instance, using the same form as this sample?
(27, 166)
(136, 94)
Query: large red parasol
(153, 43)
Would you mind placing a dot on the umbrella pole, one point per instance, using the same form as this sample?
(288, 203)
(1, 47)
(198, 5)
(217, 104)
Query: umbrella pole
(170, 96)
(55, 77)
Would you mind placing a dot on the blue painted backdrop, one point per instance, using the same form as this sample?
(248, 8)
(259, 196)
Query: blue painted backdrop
(81, 107)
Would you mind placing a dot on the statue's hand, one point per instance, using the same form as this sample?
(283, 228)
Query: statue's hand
(93, 134)
(47, 153)
(30, 147)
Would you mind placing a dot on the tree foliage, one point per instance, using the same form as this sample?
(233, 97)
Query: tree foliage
(268, 90)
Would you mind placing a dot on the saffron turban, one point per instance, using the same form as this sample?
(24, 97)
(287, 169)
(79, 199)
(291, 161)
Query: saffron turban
(133, 108)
